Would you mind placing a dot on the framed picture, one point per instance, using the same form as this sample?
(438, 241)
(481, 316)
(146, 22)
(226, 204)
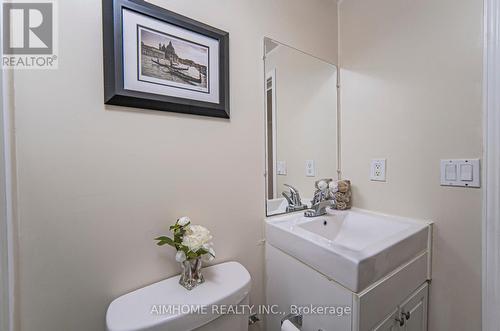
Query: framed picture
(157, 59)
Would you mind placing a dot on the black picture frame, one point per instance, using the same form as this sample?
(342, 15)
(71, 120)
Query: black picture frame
(114, 91)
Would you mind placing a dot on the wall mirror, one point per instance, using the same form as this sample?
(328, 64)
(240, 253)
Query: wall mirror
(301, 124)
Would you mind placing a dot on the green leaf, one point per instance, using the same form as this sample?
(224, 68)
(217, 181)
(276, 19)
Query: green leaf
(165, 241)
(201, 252)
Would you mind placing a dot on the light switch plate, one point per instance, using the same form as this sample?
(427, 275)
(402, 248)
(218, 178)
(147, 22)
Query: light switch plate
(377, 170)
(310, 168)
(281, 168)
(460, 172)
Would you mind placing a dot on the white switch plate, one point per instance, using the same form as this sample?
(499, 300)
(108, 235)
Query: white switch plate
(281, 168)
(460, 172)
(377, 170)
(310, 168)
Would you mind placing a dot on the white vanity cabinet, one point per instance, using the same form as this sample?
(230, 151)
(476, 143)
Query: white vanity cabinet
(377, 265)
(411, 315)
(389, 323)
(396, 302)
(414, 309)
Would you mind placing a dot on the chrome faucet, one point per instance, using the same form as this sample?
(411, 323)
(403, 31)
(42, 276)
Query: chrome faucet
(293, 199)
(323, 198)
(319, 208)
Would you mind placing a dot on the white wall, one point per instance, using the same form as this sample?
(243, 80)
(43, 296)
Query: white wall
(4, 276)
(97, 183)
(306, 106)
(411, 75)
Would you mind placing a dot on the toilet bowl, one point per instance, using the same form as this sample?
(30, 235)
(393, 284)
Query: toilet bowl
(217, 304)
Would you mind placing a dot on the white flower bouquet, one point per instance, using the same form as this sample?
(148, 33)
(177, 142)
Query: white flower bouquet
(190, 241)
(194, 245)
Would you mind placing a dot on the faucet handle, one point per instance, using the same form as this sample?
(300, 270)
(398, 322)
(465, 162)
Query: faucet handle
(288, 198)
(293, 199)
(294, 194)
(290, 187)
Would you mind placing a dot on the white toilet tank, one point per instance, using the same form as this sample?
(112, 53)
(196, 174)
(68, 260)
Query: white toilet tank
(167, 306)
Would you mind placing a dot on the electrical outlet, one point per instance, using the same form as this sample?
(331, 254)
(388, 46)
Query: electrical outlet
(377, 170)
(310, 168)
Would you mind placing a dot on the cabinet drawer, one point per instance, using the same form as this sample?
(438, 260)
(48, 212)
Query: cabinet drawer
(379, 300)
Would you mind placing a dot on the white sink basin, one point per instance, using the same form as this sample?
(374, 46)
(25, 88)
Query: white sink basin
(276, 206)
(354, 248)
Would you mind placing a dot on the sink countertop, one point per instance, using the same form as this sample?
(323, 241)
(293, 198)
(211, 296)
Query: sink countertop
(354, 247)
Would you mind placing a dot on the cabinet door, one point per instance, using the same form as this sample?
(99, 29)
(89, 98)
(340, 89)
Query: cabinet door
(414, 310)
(389, 323)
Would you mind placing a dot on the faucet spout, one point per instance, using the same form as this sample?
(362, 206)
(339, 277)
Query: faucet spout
(323, 198)
(318, 209)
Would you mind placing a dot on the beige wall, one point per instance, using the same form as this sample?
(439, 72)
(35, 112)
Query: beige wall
(306, 106)
(97, 183)
(411, 92)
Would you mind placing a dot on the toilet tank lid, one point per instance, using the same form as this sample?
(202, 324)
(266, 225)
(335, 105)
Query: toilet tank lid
(166, 305)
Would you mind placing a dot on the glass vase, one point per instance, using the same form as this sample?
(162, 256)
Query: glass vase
(191, 273)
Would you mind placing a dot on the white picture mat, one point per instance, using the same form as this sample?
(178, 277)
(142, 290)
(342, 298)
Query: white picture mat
(130, 58)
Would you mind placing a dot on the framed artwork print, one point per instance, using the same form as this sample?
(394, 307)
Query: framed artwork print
(157, 59)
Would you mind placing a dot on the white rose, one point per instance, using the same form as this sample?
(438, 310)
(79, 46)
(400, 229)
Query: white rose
(180, 256)
(196, 237)
(183, 220)
(191, 242)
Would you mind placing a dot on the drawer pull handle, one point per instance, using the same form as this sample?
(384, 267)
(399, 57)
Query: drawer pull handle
(406, 315)
(400, 321)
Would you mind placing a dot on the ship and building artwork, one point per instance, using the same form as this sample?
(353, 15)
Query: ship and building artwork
(173, 61)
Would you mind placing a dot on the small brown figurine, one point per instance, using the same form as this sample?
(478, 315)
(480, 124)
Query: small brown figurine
(343, 196)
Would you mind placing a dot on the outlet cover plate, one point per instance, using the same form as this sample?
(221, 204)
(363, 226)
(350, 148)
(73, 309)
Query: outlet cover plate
(310, 168)
(377, 170)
